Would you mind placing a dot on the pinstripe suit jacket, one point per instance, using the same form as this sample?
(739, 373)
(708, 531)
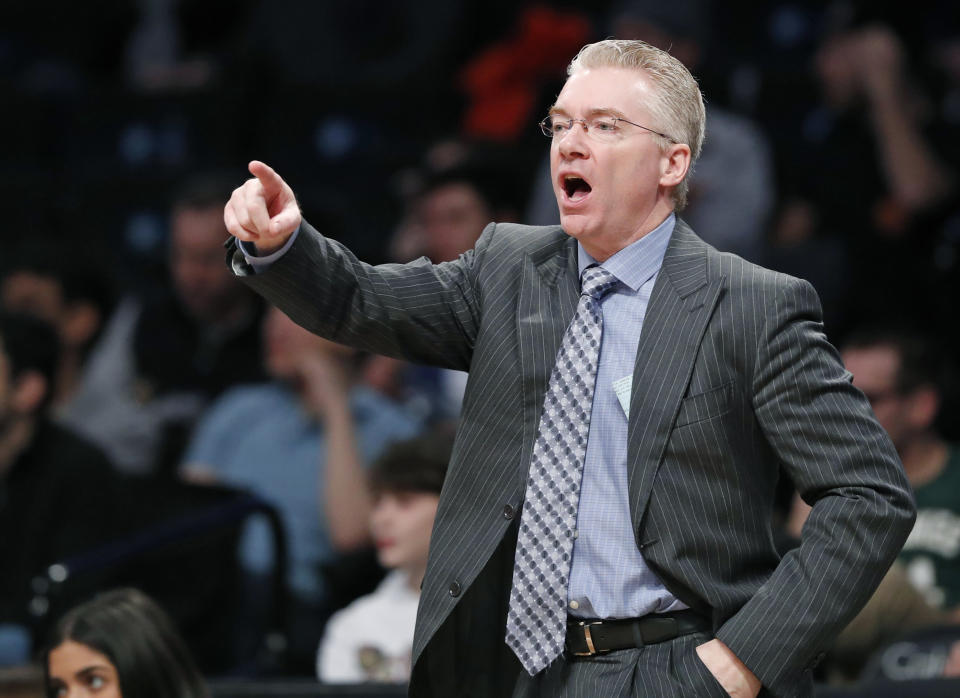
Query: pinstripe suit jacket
(734, 377)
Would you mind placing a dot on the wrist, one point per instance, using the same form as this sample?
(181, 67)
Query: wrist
(728, 670)
(336, 413)
(264, 247)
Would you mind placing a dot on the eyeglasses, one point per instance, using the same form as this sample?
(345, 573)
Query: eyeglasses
(601, 128)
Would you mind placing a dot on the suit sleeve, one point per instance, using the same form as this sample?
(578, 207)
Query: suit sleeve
(824, 434)
(423, 312)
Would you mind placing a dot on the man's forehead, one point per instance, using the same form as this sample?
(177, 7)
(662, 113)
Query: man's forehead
(604, 90)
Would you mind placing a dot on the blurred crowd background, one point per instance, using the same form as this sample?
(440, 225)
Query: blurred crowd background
(188, 441)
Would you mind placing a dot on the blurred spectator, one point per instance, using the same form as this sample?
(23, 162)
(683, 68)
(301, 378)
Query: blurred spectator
(205, 336)
(863, 177)
(160, 362)
(895, 610)
(300, 442)
(731, 190)
(66, 288)
(371, 640)
(452, 207)
(944, 48)
(58, 494)
(900, 373)
(445, 215)
(119, 644)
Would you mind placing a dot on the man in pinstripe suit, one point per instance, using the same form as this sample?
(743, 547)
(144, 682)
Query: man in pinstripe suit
(712, 374)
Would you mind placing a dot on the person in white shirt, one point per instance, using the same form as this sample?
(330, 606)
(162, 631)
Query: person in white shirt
(371, 639)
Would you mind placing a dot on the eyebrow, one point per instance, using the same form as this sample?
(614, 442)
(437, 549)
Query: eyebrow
(92, 668)
(594, 111)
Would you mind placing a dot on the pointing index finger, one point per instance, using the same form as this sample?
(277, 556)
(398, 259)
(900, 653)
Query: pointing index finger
(269, 179)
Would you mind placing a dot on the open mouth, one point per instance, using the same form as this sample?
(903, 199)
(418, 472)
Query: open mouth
(576, 187)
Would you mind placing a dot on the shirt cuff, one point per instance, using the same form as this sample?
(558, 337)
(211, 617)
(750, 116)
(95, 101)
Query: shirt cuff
(262, 263)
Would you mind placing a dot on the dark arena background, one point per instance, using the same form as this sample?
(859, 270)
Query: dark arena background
(832, 154)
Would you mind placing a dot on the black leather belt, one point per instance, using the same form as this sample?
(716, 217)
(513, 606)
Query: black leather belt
(586, 638)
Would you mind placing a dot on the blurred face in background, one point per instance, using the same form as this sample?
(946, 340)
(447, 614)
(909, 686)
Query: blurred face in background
(204, 284)
(78, 671)
(34, 294)
(77, 321)
(286, 343)
(452, 217)
(875, 372)
(401, 523)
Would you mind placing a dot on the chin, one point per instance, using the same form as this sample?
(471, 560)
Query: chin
(387, 559)
(573, 225)
(279, 369)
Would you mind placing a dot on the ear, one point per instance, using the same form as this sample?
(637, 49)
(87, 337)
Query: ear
(674, 164)
(81, 324)
(29, 391)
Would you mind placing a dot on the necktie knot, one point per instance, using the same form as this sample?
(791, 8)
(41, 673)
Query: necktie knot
(597, 282)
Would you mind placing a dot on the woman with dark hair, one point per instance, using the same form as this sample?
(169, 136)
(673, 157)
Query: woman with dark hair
(120, 645)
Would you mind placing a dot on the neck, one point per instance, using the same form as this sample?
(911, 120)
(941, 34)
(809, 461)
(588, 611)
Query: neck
(415, 576)
(68, 376)
(14, 438)
(602, 249)
(924, 458)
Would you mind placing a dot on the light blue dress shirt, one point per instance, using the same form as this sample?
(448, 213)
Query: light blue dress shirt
(609, 577)
(260, 438)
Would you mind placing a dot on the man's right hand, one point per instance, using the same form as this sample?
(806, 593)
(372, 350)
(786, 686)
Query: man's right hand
(263, 210)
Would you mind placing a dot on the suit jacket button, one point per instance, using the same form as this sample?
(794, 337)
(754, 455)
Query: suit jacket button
(454, 589)
(508, 512)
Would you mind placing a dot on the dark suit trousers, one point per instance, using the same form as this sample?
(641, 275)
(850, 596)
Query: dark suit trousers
(665, 670)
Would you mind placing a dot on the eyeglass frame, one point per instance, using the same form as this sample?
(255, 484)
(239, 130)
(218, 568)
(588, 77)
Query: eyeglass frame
(545, 126)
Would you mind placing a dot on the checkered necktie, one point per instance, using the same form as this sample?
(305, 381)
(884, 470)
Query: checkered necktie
(536, 619)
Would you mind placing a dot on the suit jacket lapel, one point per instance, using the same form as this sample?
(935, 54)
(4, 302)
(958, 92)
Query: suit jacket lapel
(549, 293)
(680, 306)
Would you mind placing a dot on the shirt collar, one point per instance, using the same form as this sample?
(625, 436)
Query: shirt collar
(636, 263)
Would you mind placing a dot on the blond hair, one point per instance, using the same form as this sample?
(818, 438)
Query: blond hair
(677, 109)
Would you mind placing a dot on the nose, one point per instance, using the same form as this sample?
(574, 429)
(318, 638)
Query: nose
(381, 514)
(573, 143)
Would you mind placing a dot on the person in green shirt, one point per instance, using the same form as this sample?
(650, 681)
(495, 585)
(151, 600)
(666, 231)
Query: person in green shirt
(900, 373)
